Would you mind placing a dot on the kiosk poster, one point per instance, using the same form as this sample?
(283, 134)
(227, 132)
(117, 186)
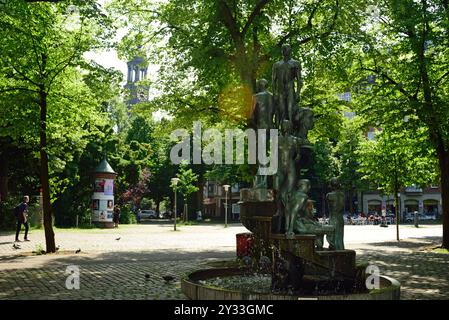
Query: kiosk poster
(109, 187)
(99, 185)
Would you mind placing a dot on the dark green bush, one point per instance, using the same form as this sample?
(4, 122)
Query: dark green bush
(127, 216)
(7, 218)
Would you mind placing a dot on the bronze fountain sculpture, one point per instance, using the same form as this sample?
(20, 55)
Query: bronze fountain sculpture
(279, 211)
(284, 227)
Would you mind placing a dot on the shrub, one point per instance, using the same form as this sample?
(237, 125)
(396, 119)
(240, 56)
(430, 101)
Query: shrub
(39, 250)
(127, 216)
(35, 215)
(7, 218)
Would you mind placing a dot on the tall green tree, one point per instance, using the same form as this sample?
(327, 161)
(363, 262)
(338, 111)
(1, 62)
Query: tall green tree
(41, 43)
(186, 185)
(396, 159)
(404, 49)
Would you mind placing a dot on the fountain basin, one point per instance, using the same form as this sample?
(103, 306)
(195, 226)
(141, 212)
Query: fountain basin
(195, 290)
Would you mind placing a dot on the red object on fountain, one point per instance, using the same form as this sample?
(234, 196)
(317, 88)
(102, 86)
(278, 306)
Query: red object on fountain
(244, 244)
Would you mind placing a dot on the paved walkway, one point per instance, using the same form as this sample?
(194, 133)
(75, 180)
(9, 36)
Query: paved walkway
(116, 269)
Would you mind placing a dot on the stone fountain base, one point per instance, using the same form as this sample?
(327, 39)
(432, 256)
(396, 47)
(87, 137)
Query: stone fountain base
(195, 290)
(289, 267)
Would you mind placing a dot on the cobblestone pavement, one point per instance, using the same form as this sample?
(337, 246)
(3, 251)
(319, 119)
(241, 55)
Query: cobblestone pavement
(99, 281)
(119, 272)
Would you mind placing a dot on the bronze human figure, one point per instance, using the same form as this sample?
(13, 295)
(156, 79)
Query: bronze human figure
(263, 111)
(262, 118)
(286, 96)
(286, 177)
(335, 202)
(296, 206)
(303, 121)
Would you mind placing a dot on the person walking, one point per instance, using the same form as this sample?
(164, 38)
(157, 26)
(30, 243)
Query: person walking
(116, 217)
(21, 212)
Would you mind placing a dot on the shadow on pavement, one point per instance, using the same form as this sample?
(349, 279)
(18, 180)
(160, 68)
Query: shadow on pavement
(423, 275)
(54, 260)
(410, 243)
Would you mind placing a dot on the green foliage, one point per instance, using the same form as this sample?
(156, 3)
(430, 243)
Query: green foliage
(127, 216)
(187, 178)
(346, 153)
(7, 217)
(396, 159)
(224, 46)
(39, 249)
(403, 50)
(324, 166)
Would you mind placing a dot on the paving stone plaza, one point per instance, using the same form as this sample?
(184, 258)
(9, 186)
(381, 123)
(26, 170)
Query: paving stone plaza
(133, 266)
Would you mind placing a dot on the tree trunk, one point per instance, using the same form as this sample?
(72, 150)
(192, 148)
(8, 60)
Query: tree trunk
(396, 211)
(245, 67)
(351, 204)
(443, 157)
(186, 211)
(48, 223)
(200, 194)
(158, 204)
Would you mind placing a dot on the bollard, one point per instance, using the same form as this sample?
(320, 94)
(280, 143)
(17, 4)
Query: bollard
(416, 219)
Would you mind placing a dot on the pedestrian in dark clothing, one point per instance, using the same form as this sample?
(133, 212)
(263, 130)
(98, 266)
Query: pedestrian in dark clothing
(116, 216)
(22, 218)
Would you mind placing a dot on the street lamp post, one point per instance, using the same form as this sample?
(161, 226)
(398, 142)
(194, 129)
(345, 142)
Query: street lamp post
(174, 182)
(226, 188)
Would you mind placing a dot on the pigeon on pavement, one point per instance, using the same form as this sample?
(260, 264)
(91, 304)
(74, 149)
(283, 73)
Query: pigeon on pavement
(168, 278)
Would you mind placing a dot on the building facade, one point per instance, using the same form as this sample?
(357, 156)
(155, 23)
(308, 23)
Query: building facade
(214, 201)
(424, 200)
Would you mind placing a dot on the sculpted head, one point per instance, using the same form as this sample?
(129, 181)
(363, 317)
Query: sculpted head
(334, 183)
(304, 185)
(286, 51)
(261, 85)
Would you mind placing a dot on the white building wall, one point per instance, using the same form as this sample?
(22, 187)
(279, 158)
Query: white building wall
(420, 198)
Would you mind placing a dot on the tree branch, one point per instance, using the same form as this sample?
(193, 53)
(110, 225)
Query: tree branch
(65, 63)
(24, 77)
(257, 10)
(309, 26)
(442, 78)
(391, 81)
(230, 22)
(17, 89)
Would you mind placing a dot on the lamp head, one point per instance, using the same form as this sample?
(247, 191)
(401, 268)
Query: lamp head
(174, 181)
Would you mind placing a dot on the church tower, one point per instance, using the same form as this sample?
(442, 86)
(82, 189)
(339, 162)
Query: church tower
(137, 71)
